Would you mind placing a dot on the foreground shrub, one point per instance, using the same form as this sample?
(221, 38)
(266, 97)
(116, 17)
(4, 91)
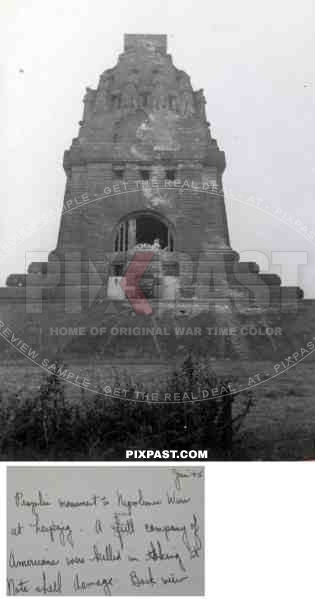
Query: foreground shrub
(46, 425)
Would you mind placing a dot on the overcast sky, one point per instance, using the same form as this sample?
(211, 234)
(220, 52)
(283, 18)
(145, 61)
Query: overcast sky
(255, 61)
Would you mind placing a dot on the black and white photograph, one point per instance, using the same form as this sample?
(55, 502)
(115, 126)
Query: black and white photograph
(157, 230)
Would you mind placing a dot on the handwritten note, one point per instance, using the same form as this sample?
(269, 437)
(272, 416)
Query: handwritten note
(105, 530)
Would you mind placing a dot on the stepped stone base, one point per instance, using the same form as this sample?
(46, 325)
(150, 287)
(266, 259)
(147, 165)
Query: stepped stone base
(218, 277)
(47, 318)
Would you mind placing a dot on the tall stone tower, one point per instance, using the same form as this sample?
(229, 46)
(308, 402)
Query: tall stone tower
(144, 134)
(144, 122)
(144, 174)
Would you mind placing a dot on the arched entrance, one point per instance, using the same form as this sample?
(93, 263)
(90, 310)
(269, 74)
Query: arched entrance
(134, 235)
(143, 230)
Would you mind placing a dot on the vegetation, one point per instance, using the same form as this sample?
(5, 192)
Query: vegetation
(46, 425)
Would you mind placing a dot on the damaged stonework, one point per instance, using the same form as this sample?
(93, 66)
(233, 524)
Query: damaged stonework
(144, 123)
(159, 131)
(155, 197)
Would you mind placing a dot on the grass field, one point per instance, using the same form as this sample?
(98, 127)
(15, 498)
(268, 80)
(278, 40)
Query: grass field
(280, 425)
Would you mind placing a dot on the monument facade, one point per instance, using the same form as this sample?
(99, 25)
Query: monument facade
(143, 175)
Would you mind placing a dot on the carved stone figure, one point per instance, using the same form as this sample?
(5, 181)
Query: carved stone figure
(105, 81)
(129, 97)
(174, 102)
(187, 107)
(103, 93)
(134, 77)
(159, 96)
(88, 100)
(201, 104)
(187, 104)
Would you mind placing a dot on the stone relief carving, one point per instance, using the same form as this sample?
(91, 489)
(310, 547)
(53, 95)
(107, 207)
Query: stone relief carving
(88, 101)
(157, 131)
(201, 104)
(187, 107)
(134, 77)
(155, 198)
(105, 81)
(103, 93)
(174, 102)
(159, 95)
(144, 130)
(129, 97)
(187, 104)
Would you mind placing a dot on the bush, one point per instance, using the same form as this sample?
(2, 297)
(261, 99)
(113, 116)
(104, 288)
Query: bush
(45, 425)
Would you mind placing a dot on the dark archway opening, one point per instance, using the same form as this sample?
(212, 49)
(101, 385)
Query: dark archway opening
(143, 230)
(149, 229)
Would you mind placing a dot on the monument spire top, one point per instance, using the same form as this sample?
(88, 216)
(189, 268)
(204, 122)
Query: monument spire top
(145, 41)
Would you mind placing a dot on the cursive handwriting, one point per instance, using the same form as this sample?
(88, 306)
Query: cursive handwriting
(92, 502)
(172, 579)
(21, 502)
(193, 546)
(156, 553)
(48, 588)
(166, 529)
(83, 585)
(108, 554)
(181, 475)
(173, 500)
(140, 501)
(15, 588)
(110, 531)
(30, 563)
(75, 561)
(140, 581)
(62, 531)
(122, 528)
(17, 530)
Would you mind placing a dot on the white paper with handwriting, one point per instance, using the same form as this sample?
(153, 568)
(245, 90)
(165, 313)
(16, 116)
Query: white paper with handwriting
(105, 530)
